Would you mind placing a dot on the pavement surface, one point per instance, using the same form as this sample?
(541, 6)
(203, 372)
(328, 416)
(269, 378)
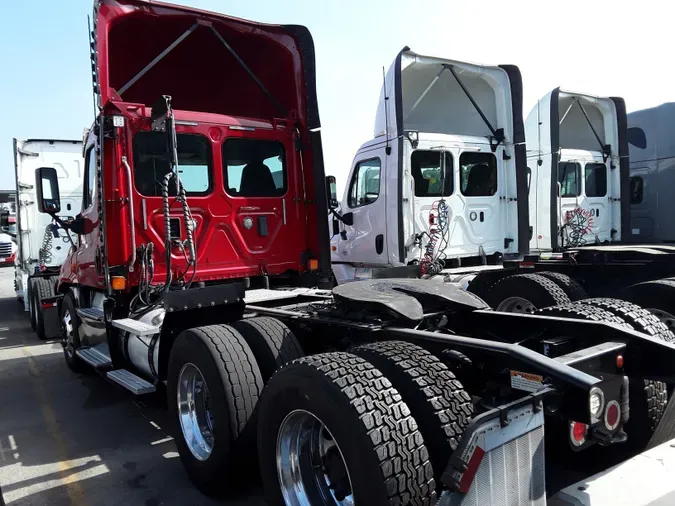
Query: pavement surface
(69, 439)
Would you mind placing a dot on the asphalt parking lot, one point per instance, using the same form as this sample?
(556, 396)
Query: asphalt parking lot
(68, 439)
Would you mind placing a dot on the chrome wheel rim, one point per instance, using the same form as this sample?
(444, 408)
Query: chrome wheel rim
(516, 305)
(310, 464)
(664, 316)
(67, 323)
(194, 412)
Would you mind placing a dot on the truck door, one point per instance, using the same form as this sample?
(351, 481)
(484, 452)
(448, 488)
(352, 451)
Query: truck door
(583, 202)
(265, 191)
(364, 241)
(596, 200)
(479, 192)
(88, 265)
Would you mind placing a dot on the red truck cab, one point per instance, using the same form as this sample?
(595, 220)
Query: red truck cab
(243, 106)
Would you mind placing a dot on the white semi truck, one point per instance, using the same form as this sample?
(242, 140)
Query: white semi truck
(42, 244)
(449, 187)
(439, 184)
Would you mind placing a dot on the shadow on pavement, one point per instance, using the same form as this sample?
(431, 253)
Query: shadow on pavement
(76, 439)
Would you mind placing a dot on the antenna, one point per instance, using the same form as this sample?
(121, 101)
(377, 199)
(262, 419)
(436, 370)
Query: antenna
(92, 63)
(386, 114)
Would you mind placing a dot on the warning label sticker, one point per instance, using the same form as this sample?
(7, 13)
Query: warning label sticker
(526, 382)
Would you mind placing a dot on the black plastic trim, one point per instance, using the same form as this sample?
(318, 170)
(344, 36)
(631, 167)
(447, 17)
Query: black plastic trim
(306, 48)
(624, 165)
(555, 149)
(208, 296)
(398, 97)
(522, 194)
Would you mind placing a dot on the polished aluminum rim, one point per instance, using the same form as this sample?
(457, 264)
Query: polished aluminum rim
(516, 305)
(310, 464)
(194, 411)
(68, 343)
(664, 316)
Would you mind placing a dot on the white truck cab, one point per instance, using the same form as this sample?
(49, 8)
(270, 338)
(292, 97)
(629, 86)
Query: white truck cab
(42, 245)
(444, 176)
(578, 161)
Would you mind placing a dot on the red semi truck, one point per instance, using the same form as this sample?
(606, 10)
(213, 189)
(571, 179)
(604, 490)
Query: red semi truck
(202, 268)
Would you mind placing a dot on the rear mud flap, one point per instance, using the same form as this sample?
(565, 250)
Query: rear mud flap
(500, 459)
(50, 314)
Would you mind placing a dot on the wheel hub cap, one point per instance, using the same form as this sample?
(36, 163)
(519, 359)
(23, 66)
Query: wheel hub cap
(310, 464)
(67, 324)
(194, 412)
(516, 305)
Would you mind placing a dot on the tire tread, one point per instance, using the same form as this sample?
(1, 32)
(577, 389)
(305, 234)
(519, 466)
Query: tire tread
(397, 442)
(438, 401)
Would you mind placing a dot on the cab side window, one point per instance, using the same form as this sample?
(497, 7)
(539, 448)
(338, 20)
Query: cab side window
(596, 179)
(478, 174)
(569, 176)
(365, 185)
(89, 178)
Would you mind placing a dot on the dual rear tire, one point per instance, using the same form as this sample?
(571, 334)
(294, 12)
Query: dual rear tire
(39, 289)
(375, 425)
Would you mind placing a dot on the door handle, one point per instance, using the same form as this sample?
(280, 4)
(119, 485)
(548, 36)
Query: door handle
(343, 235)
(379, 244)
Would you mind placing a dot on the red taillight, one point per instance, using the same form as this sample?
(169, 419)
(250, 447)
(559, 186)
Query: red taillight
(612, 415)
(578, 433)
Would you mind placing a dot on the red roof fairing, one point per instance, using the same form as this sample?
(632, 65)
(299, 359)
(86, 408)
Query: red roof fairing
(200, 73)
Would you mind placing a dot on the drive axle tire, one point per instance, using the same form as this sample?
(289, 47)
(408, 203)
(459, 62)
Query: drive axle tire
(658, 297)
(572, 288)
(43, 288)
(213, 386)
(436, 399)
(525, 293)
(70, 325)
(639, 318)
(272, 342)
(333, 420)
(653, 395)
(647, 399)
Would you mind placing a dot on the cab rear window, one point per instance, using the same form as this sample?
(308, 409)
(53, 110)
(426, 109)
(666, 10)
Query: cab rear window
(254, 168)
(151, 163)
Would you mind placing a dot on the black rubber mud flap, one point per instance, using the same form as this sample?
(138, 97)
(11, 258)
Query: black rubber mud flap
(405, 298)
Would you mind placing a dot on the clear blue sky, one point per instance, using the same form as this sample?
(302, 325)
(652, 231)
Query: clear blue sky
(595, 46)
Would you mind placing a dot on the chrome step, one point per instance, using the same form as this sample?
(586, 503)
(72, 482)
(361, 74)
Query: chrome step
(91, 313)
(131, 382)
(135, 327)
(96, 356)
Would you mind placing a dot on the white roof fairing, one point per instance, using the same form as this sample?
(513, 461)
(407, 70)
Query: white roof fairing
(432, 100)
(572, 127)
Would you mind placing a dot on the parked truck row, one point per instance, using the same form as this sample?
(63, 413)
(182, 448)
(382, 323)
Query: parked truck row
(454, 185)
(198, 262)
